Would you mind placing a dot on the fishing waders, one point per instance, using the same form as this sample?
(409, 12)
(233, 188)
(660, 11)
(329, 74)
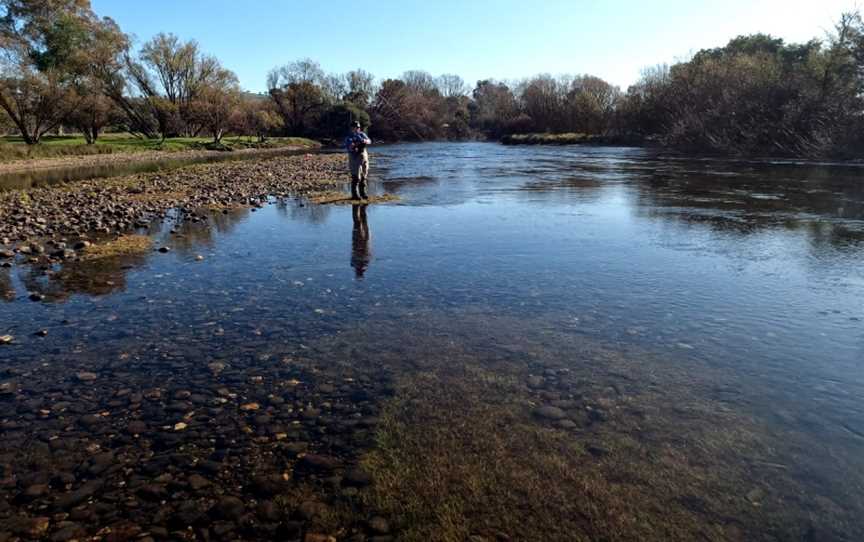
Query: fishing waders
(358, 163)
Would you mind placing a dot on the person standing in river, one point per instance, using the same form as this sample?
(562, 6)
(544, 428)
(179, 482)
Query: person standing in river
(358, 160)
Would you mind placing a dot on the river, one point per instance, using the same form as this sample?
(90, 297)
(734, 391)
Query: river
(694, 293)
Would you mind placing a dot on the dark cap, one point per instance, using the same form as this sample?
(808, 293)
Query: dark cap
(355, 124)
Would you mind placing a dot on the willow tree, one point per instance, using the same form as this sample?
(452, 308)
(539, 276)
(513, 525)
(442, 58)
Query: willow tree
(168, 77)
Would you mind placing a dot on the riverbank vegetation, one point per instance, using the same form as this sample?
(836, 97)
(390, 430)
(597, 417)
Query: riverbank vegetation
(550, 139)
(66, 69)
(14, 148)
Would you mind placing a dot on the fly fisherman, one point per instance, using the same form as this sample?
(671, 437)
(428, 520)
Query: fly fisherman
(358, 160)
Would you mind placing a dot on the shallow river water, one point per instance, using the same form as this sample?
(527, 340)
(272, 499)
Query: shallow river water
(730, 287)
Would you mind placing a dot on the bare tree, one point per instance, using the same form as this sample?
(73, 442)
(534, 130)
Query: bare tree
(169, 76)
(419, 81)
(361, 87)
(451, 85)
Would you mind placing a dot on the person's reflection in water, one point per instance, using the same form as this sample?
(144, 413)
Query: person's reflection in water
(360, 253)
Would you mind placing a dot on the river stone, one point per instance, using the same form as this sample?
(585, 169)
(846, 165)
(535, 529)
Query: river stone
(35, 491)
(86, 376)
(31, 527)
(268, 511)
(319, 463)
(310, 510)
(197, 482)
(535, 382)
(566, 424)
(548, 412)
(357, 477)
(67, 532)
(136, 427)
(379, 525)
(229, 508)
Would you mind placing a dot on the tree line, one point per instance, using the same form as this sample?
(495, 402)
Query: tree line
(63, 66)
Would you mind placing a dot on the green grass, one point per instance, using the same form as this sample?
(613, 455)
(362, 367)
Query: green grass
(14, 148)
(549, 139)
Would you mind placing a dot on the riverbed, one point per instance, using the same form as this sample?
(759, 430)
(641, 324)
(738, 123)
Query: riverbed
(648, 347)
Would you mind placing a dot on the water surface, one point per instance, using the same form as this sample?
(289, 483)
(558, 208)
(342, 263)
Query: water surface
(745, 278)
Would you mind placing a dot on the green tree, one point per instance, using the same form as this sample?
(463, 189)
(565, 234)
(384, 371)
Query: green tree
(44, 47)
(336, 121)
(298, 94)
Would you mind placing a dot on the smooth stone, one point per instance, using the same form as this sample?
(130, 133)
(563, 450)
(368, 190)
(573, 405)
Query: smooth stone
(321, 463)
(31, 527)
(566, 424)
(357, 477)
(547, 412)
(35, 491)
(535, 382)
(197, 482)
(310, 510)
(229, 508)
(136, 427)
(268, 511)
(379, 525)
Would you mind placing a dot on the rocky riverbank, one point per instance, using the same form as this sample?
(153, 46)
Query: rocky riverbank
(53, 223)
(165, 440)
(257, 447)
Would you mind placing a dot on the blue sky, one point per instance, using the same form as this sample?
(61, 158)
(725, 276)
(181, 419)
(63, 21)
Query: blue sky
(503, 39)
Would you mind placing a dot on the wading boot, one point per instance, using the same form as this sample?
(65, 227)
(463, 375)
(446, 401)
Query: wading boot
(354, 194)
(363, 194)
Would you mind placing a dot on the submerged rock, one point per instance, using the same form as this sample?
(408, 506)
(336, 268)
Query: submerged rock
(548, 412)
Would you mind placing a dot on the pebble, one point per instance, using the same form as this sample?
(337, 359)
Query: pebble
(136, 427)
(86, 376)
(320, 463)
(197, 482)
(548, 412)
(309, 510)
(31, 527)
(357, 477)
(535, 382)
(229, 508)
(566, 424)
(379, 525)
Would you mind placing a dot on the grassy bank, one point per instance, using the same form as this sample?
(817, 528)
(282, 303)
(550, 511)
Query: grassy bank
(564, 139)
(13, 148)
